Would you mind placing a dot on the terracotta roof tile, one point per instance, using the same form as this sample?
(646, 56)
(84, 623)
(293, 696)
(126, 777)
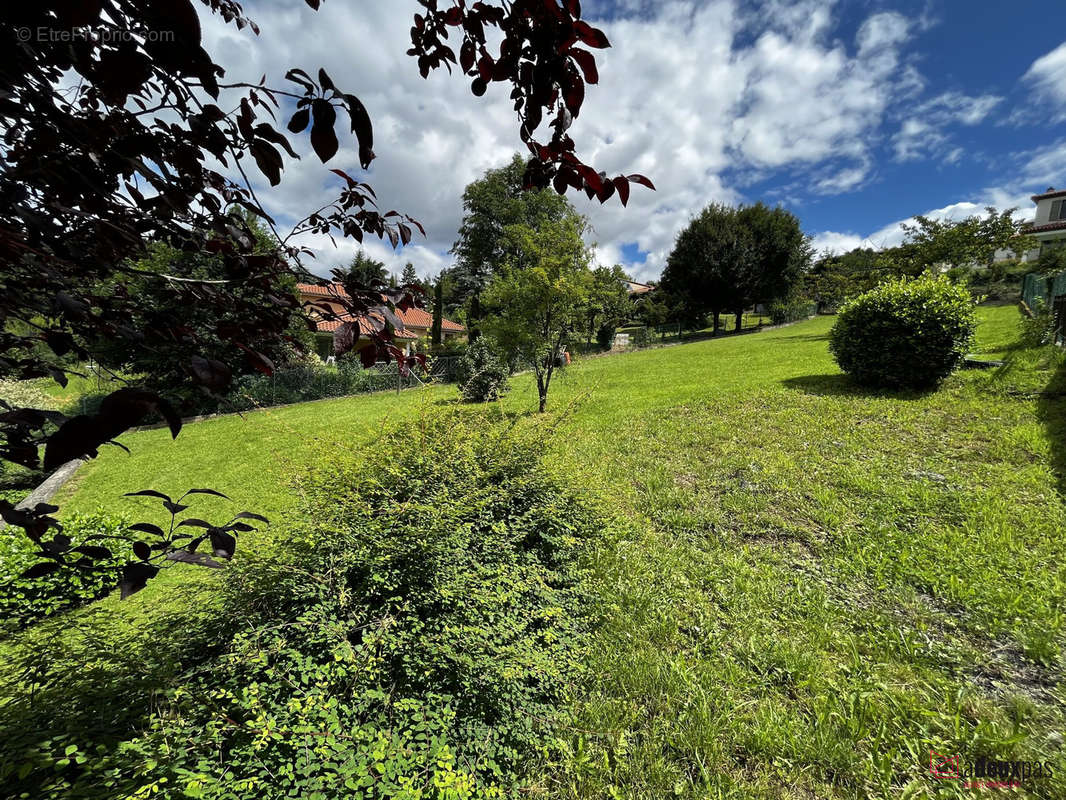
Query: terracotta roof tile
(1047, 226)
(330, 325)
(412, 318)
(1048, 195)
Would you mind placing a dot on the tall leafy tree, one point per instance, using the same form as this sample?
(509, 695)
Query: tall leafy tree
(366, 270)
(708, 271)
(491, 204)
(728, 259)
(609, 302)
(97, 169)
(972, 241)
(539, 299)
(781, 253)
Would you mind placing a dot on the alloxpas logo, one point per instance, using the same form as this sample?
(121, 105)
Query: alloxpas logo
(986, 773)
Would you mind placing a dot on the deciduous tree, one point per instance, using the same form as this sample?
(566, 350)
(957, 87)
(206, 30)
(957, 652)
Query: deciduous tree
(609, 302)
(728, 259)
(539, 299)
(491, 204)
(96, 170)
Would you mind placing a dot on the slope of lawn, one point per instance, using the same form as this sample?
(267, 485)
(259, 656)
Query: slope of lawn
(818, 585)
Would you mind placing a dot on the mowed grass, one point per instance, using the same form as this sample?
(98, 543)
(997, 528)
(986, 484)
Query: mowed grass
(816, 585)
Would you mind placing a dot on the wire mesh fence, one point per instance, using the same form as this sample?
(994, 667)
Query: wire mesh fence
(1039, 291)
(1047, 293)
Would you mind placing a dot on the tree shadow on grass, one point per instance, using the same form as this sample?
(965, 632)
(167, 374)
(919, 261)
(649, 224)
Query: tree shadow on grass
(94, 678)
(840, 385)
(803, 337)
(1051, 410)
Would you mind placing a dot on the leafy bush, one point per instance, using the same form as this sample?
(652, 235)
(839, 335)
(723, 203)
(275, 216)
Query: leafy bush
(23, 600)
(790, 309)
(605, 336)
(482, 373)
(415, 636)
(1039, 329)
(1009, 271)
(904, 333)
(298, 383)
(452, 346)
(1052, 260)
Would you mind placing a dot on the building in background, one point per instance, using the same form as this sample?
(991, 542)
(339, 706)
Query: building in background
(417, 322)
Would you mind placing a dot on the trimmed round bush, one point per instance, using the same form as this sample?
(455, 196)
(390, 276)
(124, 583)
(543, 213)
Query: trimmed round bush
(904, 334)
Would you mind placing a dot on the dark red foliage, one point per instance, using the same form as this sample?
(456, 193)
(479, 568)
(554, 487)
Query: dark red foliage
(538, 56)
(96, 168)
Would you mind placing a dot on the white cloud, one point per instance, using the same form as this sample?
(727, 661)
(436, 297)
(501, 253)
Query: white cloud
(690, 94)
(1047, 75)
(1030, 172)
(923, 134)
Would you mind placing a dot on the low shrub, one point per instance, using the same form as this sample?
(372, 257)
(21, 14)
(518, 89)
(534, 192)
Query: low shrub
(1039, 329)
(605, 336)
(453, 346)
(298, 383)
(904, 334)
(23, 600)
(416, 635)
(790, 309)
(482, 373)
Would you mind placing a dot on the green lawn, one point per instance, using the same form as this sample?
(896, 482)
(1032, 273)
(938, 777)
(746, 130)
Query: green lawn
(817, 585)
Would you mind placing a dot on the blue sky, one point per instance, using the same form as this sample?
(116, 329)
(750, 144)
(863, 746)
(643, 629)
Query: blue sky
(853, 114)
(968, 48)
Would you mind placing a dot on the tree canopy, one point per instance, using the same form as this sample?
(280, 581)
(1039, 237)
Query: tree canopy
(366, 270)
(972, 241)
(729, 258)
(97, 172)
(539, 299)
(491, 204)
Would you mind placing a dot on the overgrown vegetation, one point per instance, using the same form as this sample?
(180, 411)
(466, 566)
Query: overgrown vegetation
(416, 634)
(904, 334)
(25, 600)
(482, 373)
(792, 608)
(308, 379)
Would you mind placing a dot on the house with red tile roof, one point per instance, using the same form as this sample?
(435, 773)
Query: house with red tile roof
(1048, 228)
(1049, 225)
(417, 322)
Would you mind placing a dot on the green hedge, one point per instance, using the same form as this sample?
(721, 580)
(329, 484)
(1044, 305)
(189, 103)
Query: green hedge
(25, 601)
(416, 634)
(904, 334)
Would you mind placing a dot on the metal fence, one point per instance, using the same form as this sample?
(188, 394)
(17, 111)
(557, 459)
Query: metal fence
(443, 369)
(1040, 293)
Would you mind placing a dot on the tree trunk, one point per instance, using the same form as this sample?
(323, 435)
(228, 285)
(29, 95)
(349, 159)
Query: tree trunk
(717, 320)
(740, 320)
(438, 313)
(472, 331)
(544, 379)
(542, 391)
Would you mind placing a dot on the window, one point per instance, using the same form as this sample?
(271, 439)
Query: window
(1058, 210)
